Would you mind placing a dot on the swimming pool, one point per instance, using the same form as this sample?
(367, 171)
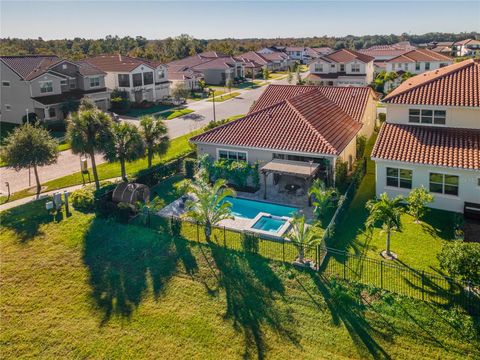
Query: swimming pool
(249, 209)
(269, 224)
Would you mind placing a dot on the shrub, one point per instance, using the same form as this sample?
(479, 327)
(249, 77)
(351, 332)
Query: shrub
(361, 144)
(83, 199)
(382, 117)
(155, 174)
(250, 242)
(189, 167)
(32, 118)
(341, 172)
(120, 101)
(461, 259)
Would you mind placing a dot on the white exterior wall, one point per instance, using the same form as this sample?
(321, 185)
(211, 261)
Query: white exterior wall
(361, 78)
(460, 117)
(411, 66)
(468, 191)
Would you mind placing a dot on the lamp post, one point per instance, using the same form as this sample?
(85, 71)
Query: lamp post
(8, 190)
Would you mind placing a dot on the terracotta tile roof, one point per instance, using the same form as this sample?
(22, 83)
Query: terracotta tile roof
(387, 50)
(345, 56)
(85, 69)
(453, 85)
(29, 67)
(117, 62)
(307, 123)
(350, 99)
(451, 147)
(322, 50)
(468, 42)
(255, 57)
(418, 55)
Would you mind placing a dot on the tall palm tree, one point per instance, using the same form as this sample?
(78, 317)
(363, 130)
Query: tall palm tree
(126, 145)
(208, 207)
(323, 197)
(302, 236)
(154, 134)
(388, 213)
(88, 131)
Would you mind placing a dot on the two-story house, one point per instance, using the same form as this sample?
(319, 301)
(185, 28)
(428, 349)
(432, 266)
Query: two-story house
(45, 84)
(467, 47)
(216, 68)
(342, 68)
(431, 137)
(415, 62)
(274, 61)
(142, 79)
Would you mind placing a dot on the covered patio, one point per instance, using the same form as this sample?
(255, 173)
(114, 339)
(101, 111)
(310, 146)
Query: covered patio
(292, 178)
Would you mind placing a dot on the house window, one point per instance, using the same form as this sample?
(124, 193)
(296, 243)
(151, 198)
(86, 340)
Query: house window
(427, 66)
(424, 116)
(123, 80)
(5, 83)
(63, 82)
(444, 184)
(318, 67)
(356, 68)
(8, 107)
(342, 67)
(400, 178)
(161, 73)
(417, 66)
(95, 81)
(147, 78)
(64, 66)
(73, 84)
(46, 87)
(443, 65)
(232, 155)
(51, 112)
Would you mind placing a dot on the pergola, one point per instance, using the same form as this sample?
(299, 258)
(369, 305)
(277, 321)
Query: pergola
(304, 170)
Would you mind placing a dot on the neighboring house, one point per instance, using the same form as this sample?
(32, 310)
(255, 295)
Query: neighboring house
(383, 53)
(216, 68)
(141, 79)
(297, 53)
(275, 61)
(467, 47)
(445, 48)
(45, 84)
(297, 124)
(415, 62)
(342, 68)
(185, 77)
(315, 53)
(431, 137)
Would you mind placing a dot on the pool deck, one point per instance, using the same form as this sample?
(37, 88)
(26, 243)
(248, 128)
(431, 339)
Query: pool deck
(237, 223)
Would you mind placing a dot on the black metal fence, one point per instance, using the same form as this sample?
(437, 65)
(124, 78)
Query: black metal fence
(331, 262)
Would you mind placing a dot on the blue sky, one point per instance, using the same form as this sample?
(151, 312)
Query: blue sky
(238, 19)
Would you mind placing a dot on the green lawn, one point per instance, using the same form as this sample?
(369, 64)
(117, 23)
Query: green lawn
(82, 287)
(225, 97)
(178, 146)
(151, 110)
(172, 114)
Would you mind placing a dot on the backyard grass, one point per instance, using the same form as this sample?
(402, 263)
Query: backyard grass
(172, 114)
(148, 111)
(178, 147)
(225, 97)
(82, 287)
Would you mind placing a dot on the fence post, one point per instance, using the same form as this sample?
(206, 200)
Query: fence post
(344, 266)
(381, 274)
(283, 249)
(423, 285)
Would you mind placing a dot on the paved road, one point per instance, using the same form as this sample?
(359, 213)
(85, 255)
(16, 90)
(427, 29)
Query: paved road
(203, 113)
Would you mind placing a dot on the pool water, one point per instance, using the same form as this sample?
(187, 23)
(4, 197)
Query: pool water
(249, 209)
(269, 224)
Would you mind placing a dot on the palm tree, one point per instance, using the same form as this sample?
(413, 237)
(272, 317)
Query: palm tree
(407, 75)
(323, 197)
(208, 207)
(88, 131)
(126, 145)
(388, 213)
(154, 134)
(302, 236)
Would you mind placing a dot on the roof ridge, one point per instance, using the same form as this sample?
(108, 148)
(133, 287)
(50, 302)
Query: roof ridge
(456, 67)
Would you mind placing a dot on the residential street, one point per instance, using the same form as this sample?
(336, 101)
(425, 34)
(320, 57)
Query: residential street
(69, 163)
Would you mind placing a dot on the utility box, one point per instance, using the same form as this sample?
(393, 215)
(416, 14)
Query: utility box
(57, 200)
(84, 165)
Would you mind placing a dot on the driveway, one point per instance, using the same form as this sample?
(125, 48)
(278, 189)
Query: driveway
(203, 113)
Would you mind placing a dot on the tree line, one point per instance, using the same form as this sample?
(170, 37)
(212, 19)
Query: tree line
(184, 45)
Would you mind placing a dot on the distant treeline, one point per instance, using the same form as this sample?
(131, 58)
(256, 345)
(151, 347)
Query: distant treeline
(184, 45)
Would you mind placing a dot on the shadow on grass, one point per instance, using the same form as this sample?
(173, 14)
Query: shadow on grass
(26, 220)
(438, 223)
(251, 289)
(345, 309)
(122, 261)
